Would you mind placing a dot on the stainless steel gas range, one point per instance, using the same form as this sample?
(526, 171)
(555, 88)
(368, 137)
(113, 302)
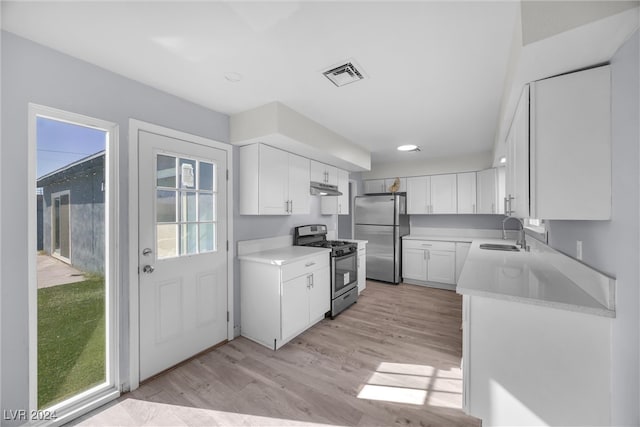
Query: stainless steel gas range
(344, 264)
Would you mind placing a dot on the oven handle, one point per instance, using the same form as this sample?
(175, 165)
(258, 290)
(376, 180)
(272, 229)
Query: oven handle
(354, 253)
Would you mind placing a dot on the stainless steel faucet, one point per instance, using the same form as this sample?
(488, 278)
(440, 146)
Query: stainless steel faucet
(522, 242)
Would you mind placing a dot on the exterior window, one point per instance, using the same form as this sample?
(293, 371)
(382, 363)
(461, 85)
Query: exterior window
(185, 206)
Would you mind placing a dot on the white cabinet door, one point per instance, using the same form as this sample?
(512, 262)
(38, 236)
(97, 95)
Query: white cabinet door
(362, 270)
(501, 189)
(374, 186)
(337, 205)
(414, 264)
(319, 294)
(299, 177)
(466, 183)
(441, 266)
(571, 146)
(517, 167)
(462, 250)
(295, 306)
(274, 181)
(487, 186)
(443, 194)
(324, 173)
(418, 200)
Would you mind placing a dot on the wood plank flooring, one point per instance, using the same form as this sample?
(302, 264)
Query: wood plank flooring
(398, 348)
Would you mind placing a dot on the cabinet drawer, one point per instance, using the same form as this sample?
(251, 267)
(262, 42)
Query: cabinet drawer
(304, 266)
(429, 244)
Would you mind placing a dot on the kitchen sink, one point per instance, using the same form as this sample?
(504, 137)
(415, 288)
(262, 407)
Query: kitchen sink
(499, 247)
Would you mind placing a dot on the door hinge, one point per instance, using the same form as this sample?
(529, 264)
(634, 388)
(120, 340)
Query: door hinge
(227, 246)
(227, 174)
(227, 317)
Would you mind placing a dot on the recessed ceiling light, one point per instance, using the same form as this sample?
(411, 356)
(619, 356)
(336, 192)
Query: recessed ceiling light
(232, 76)
(503, 159)
(409, 147)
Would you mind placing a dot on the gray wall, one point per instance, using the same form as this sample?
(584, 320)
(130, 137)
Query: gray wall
(33, 73)
(485, 222)
(613, 246)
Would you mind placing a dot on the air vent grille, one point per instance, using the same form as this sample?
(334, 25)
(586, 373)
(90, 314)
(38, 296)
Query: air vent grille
(343, 74)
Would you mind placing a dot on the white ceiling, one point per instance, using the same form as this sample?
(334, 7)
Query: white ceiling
(436, 70)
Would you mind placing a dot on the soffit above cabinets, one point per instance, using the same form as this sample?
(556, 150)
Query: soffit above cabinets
(277, 125)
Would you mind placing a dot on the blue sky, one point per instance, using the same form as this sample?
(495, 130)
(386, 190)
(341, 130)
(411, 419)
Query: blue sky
(61, 143)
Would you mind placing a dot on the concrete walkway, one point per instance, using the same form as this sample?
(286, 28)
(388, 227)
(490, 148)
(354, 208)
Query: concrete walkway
(53, 272)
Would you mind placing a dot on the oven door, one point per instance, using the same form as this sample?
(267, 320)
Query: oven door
(345, 273)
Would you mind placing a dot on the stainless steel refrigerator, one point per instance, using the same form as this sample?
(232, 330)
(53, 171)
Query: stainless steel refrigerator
(382, 220)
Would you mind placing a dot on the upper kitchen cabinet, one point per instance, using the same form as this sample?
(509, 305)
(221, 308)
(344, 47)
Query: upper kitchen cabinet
(559, 149)
(517, 167)
(419, 195)
(377, 186)
(487, 191)
(443, 194)
(332, 205)
(571, 146)
(466, 183)
(323, 173)
(273, 182)
(435, 194)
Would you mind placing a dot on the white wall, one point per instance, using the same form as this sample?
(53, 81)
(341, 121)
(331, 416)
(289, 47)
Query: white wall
(33, 73)
(614, 246)
(466, 163)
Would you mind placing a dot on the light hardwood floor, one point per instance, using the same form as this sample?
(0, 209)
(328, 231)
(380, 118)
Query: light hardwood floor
(391, 359)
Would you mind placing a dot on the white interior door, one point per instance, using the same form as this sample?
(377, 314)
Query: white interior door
(183, 250)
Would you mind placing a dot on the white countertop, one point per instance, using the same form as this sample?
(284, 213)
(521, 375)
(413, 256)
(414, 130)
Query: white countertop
(284, 255)
(438, 238)
(523, 277)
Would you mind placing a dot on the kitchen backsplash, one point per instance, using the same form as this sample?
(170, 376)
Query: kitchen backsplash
(485, 222)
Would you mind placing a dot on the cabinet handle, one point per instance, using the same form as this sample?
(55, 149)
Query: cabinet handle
(309, 264)
(308, 282)
(428, 255)
(311, 280)
(474, 208)
(339, 208)
(493, 208)
(290, 206)
(424, 255)
(426, 244)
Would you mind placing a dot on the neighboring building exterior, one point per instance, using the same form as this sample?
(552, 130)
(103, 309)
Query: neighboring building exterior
(73, 213)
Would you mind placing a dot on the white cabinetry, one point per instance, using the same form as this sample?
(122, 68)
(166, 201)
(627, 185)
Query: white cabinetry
(273, 182)
(443, 194)
(466, 183)
(487, 191)
(377, 186)
(324, 173)
(418, 195)
(332, 205)
(517, 167)
(462, 250)
(571, 146)
(362, 267)
(559, 149)
(279, 302)
(429, 263)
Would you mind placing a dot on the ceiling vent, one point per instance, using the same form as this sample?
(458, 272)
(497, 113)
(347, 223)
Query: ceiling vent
(344, 74)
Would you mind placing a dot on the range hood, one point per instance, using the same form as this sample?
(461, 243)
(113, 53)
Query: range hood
(322, 189)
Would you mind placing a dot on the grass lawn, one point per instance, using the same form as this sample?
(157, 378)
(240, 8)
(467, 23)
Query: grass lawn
(71, 339)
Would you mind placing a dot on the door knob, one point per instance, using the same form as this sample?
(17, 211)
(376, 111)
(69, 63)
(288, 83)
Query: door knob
(146, 251)
(148, 269)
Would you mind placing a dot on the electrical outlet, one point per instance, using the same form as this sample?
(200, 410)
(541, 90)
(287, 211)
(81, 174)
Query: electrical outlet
(579, 249)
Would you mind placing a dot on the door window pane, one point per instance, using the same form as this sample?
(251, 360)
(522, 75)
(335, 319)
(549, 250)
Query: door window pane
(207, 237)
(167, 240)
(188, 207)
(207, 177)
(206, 204)
(166, 206)
(166, 171)
(189, 239)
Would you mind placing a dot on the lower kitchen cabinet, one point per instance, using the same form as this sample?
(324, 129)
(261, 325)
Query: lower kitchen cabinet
(362, 267)
(429, 263)
(278, 302)
(462, 250)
